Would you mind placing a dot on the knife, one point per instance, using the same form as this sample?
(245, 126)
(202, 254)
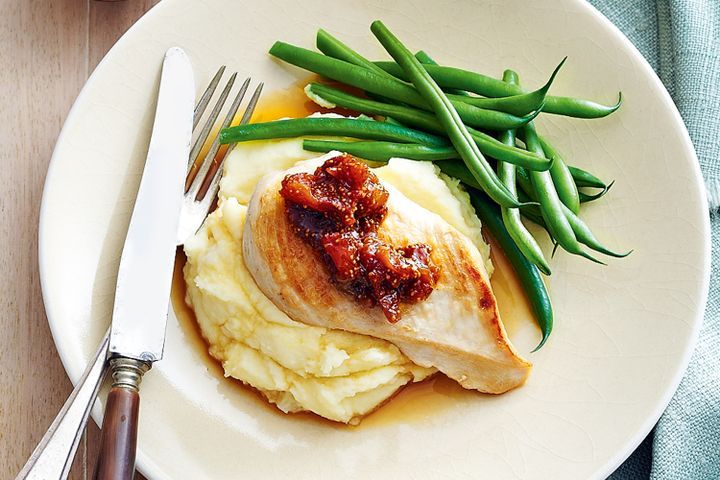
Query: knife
(137, 333)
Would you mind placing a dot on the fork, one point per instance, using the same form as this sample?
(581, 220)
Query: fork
(53, 456)
(203, 179)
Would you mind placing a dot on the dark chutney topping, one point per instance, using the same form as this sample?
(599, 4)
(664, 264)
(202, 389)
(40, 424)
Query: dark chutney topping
(337, 210)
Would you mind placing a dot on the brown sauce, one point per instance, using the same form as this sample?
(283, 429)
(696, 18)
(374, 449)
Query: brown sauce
(293, 103)
(290, 102)
(412, 403)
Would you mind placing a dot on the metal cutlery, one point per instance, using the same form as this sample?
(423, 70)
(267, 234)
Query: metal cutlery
(163, 218)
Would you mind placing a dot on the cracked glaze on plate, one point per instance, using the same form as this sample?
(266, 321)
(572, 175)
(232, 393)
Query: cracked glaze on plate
(623, 333)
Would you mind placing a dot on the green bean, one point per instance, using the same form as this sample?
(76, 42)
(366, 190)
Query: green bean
(319, 126)
(537, 219)
(582, 233)
(585, 198)
(382, 151)
(523, 180)
(521, 104)
(550, 205)
(580, 176)
(585, 179)
(450, 77)
(381, 98)
(579, 107)
(446, 115)
(511, 216)
(370, 81)
(526, 194)
(416, 118)
(562, 178)
(424, 58)
(518, 104)
(527, 274)
(459, 170)
(531, 211)
(332, 47)
(586, 237)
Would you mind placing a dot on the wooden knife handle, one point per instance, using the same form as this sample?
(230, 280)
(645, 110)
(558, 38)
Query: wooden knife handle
(116, 458)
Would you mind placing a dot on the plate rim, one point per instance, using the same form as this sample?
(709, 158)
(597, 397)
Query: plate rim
(152, 471)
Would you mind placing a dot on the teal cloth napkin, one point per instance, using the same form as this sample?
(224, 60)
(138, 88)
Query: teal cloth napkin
(681, 41)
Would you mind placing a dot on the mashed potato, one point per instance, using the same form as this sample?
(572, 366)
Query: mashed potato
(338, 375)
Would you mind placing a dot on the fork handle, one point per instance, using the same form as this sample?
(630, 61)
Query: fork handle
(54, 454)
(118, 440)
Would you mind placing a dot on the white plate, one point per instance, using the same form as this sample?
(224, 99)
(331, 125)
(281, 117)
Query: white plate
(623, 333)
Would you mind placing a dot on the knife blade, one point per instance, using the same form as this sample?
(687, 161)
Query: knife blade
(144, 278)
(142, 295)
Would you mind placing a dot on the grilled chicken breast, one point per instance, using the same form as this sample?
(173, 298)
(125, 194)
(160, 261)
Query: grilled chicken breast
(457, 329)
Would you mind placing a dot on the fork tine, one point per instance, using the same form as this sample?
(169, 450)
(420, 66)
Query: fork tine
(200, 141)
(206, 96)
(207, 162)
(212, 188)
(252, 104)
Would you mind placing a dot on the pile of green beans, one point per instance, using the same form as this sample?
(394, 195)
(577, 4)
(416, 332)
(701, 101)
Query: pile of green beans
(511, 216)
(370, 81)
(521, 104)
(447, 115)
(550, 203)
(422, 120)
(479, 129)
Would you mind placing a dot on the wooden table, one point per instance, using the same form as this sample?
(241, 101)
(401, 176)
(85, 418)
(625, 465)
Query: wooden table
(47, 51)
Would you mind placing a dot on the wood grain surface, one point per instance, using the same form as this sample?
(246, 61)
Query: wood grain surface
(47, 51)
